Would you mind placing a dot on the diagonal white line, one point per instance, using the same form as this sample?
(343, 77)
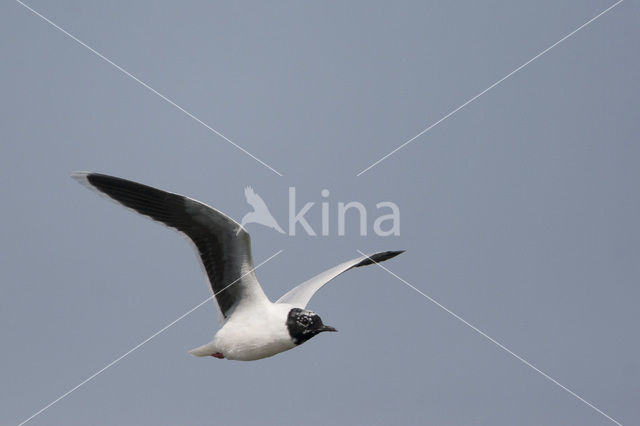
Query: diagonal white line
(492, 340)
(151, 89)
(136, 347)
(489, 88)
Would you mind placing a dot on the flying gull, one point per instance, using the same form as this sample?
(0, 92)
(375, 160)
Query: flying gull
(253, 327)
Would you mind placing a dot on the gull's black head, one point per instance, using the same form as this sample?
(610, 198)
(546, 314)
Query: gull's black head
(303, 325)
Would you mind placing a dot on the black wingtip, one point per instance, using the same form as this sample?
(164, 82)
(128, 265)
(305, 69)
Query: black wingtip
(88, 179)
(379, 257)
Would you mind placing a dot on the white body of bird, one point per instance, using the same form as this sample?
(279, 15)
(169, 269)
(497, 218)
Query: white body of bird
(251, 333)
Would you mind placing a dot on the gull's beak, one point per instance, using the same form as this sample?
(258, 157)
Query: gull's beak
(327, 328)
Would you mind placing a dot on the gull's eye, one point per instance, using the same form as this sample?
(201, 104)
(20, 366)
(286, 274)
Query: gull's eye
(304, 321)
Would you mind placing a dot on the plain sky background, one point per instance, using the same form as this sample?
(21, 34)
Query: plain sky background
(520, 212)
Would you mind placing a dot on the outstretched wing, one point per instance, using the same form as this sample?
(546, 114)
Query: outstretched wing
(225, 256)
(300, 295)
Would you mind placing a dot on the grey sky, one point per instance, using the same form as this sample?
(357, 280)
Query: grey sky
(519, 213)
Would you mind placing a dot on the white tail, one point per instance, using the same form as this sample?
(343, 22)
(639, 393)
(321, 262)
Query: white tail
(204, 350)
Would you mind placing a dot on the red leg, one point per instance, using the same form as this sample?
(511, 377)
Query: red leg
(217, 355)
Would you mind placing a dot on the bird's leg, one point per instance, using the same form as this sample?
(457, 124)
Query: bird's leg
(218, 355)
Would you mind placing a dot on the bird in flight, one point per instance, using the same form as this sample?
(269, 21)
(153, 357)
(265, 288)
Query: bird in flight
(260, 213)
(253, 327)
